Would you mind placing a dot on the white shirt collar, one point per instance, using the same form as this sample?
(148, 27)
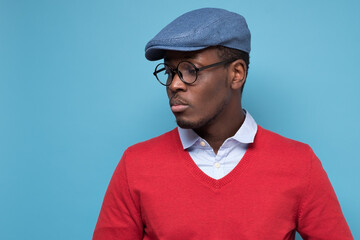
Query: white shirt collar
(245, 134)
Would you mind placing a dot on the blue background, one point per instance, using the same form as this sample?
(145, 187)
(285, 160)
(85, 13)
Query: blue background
(76, 91)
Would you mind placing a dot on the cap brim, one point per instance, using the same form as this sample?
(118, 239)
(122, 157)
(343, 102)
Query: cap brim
(158, 52)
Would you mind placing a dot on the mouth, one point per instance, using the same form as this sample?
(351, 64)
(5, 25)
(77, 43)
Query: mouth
(178, 105)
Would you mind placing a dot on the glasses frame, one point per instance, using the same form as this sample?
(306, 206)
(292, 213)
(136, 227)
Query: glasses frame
(176, 70)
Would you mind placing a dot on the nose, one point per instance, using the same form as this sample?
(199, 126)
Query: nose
(177, 84)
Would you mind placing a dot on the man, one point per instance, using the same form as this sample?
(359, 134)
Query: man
(218, 175)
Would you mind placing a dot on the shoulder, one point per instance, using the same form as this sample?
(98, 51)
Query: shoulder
(155, 148)
(283, 151)
(277, 142)
(159, 142)
(152, 156)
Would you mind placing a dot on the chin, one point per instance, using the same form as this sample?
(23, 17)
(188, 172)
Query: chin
(184, 124)
(190, 124)
(202, 122)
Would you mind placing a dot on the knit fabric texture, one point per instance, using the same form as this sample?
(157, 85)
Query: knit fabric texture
(278, 187)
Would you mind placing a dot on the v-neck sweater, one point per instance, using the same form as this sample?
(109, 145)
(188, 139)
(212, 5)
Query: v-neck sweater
(278, 187)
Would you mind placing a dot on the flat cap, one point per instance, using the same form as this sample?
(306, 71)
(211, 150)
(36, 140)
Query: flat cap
(199, 29)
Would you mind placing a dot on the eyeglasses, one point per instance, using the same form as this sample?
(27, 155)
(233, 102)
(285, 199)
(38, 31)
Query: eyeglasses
(187, 72)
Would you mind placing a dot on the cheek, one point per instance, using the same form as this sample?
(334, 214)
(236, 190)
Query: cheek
(211, 97)
(215, 89)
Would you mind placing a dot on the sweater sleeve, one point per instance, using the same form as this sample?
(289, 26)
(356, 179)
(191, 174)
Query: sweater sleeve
(320, 216)
(119, 216)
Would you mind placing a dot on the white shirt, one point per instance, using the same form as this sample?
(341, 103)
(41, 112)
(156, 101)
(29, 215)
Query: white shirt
(230, 153)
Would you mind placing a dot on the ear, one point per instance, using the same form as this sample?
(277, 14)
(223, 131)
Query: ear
(238, 71)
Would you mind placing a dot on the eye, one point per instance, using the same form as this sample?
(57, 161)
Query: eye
(191, 71)
(187, 69)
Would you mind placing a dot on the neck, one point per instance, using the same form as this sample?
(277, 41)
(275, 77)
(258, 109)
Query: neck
(216, 134)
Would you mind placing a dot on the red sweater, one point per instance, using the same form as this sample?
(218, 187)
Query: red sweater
(279, 187)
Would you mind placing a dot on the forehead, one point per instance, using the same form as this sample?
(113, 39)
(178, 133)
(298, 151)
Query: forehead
(200, 55)
(174, 55)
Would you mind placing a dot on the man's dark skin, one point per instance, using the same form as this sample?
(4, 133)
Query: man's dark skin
(212, 105)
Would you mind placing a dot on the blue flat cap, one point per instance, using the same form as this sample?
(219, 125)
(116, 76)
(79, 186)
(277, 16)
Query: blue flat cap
(200, 29)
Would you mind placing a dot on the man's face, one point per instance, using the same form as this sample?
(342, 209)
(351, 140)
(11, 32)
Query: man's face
(204, 102)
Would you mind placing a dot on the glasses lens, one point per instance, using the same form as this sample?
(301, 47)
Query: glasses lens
(163, 74)
(188, 72)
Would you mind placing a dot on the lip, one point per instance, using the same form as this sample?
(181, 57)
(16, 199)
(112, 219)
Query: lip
(178, 108)
(178, 105)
